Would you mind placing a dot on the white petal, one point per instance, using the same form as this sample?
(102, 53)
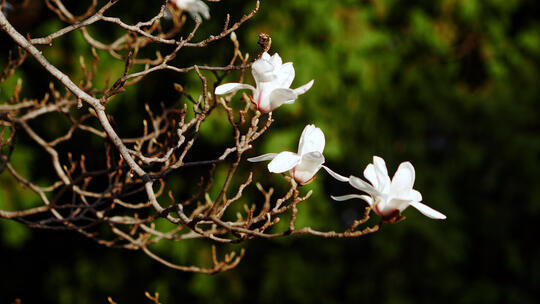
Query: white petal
(266, 56)
(415, 196)
(395, 203)
(371, 176)
(203, 9)
(283, 161)
(303, 137)
(313, 156)
(312, 139)
(232, 87)
(280, 96)
(382, 174)
(380, 164)
(366, 198)
(275, 60)
(335, 175)
(428, 211)
(403, 180)
(363, 186)
(263, 71)
(285, 75)
(194, 7)
(301, 90)
(308, 166)
(263, 157)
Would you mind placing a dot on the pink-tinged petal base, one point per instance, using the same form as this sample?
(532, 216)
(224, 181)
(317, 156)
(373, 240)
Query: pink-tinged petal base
(300, 181)
(308, 166)
(264, 107)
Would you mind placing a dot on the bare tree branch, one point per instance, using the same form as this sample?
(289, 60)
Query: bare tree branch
(131, 190)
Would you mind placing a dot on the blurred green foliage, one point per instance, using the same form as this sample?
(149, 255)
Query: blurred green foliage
(450, 85)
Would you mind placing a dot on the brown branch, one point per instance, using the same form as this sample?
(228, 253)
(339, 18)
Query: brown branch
(128, 188)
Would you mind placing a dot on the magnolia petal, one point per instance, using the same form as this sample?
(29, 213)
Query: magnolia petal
(301, 90)
(280, 96)
(285, 75)
(394, 204)
(232, 87)
(312, 139)
(263, 157)
(283, 161)
(380, 164)
(363, 186)
(308, 166)
(367, 198)
(262, 71)
(415, 196)
(403, 180)
(346, 197)
(194, 7)
(313, 156)
(428, 211)
(303, 138)
(371, 176)
(335, 175)
(275, 60)
(266, 56)
(203, 9)
(382, 174)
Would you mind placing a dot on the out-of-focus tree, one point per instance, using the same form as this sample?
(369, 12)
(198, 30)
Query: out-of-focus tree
(450, 85)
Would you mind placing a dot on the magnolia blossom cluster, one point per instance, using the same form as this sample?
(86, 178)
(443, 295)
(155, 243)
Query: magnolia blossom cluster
(273, 79)
(302, 166)
(387, 197)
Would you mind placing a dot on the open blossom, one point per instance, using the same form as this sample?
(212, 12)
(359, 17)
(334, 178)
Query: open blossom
(273, 79)
(302, 166)
(195, 8)
(388, 196)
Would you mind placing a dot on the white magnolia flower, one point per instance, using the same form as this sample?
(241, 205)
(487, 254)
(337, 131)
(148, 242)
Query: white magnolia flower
(385, 196)
(195, 8)
(303, 165)
(273, 79)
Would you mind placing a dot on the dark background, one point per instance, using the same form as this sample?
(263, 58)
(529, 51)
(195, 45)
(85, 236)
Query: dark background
(450, 85)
